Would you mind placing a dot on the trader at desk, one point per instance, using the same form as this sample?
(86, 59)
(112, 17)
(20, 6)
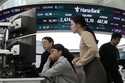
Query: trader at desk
(47, 42)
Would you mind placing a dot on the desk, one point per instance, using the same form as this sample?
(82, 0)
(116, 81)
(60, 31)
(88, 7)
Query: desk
(22, 80)
(4, 53)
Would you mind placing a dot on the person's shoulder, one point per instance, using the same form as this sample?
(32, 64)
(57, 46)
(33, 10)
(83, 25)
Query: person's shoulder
(63, 60)
(62, 63)
(86, 34)
(106, 45)
(45, 53)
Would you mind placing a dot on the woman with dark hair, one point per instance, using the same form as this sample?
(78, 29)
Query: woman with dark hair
(59, 68)
(89, 58)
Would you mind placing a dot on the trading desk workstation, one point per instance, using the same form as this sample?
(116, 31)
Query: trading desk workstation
(22, 80)
(3, 54)
(17, 52)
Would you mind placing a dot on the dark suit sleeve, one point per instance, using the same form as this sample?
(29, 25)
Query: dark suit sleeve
(44, 58)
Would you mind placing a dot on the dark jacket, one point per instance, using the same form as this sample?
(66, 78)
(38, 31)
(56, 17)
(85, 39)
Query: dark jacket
(44, 58)
(109, 55)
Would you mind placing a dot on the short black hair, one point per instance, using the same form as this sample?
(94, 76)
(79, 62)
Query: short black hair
(49, 39)
(116, 35)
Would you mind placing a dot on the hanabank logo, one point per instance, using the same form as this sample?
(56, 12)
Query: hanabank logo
(87, 10)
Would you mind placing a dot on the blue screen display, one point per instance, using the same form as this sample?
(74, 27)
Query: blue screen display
(55, 17)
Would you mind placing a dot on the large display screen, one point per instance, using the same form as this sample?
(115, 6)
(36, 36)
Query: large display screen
(54, 17)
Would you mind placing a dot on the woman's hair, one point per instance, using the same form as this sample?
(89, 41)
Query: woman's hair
(78, 19)
(65, 53)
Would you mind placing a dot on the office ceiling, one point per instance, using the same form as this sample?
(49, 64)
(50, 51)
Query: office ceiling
(2, 1)
(110, 3)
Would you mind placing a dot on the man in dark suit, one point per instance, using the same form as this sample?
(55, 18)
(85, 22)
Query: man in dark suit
(47, 42)
(109, 55)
